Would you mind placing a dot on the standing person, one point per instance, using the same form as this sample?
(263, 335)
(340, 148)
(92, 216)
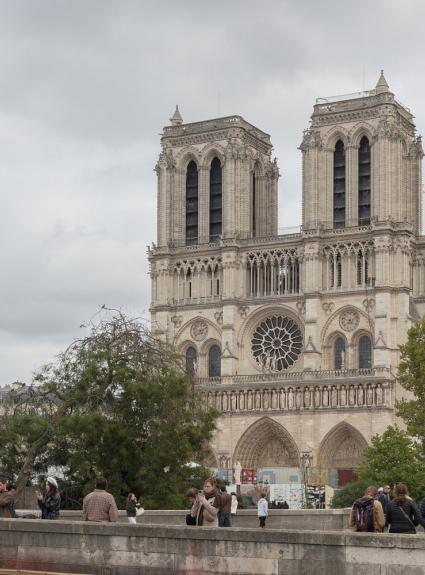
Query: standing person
(422, 509)
(99, 505)
(262, 510)
(235, 503)
(385, 499)
(224, 518)
(131, 507)
(403, 514)
(205, 507)
(367, 513)
(285, 505)
(50, 502)
(6, 500)
(12, 488)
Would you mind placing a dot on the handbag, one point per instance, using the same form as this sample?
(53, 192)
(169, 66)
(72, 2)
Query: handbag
(190, 520)
(407, 517)
(140, 511)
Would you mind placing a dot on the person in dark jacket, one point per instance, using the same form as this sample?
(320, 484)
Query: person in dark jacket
(51, 501)
(12, 488)
(403, 514)
(131, 507)
(385, 499)
(422, 509)
(224, 517)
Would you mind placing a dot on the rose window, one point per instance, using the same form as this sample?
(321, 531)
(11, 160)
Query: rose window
(276, 343)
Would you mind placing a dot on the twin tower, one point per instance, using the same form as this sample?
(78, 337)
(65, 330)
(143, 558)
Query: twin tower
(294, 338)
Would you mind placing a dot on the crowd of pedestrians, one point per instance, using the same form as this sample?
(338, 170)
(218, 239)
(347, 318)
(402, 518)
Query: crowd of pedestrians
(98, 506)
(214, 507)
(377, 511)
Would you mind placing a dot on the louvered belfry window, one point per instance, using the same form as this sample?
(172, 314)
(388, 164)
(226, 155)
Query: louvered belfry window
(339, 185)
(216, 199)
(254, 206)
(192, 203)
(364, 182)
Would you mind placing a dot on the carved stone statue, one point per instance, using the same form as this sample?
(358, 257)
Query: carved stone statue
(237, 473)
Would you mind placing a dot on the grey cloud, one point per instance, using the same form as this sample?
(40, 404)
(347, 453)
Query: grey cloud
(85, 89)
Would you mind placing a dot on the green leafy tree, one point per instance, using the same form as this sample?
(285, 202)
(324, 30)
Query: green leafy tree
(411, 375)
(346, 496)
(117, 403)
(393, 457)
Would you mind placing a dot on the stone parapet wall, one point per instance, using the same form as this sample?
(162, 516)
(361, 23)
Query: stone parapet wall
(105, 549)
(312, 519)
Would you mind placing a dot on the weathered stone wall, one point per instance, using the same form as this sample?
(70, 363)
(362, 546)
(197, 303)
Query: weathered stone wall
(77, 547)
(318, 519)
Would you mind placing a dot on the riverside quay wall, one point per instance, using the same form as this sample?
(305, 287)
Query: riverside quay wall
(105, 549)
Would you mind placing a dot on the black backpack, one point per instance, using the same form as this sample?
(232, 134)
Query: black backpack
(363, 514)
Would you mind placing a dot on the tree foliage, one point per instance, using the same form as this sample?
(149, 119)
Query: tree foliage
(117, 403)
(349, 493)
(411, 375)
(393, 457)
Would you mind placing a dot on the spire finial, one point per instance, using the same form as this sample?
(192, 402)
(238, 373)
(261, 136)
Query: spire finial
(382, 84)
(176, 119)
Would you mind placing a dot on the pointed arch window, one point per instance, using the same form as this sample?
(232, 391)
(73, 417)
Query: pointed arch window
(339, 185)
(339, 353)
(216, 206)
(365, 352)
(192, 203)
(214, 361)
(254, 205)
(362, 269)
(364, 181)
(336, 270)
(191, 360)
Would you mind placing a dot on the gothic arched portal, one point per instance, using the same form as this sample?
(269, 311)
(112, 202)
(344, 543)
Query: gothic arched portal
(266, 444)
(341, 451)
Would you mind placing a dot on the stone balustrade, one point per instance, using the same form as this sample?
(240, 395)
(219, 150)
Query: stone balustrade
(307, 376)
(275, 396)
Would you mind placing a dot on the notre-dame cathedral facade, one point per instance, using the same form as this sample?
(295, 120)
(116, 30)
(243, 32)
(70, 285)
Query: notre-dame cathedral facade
(294, 338)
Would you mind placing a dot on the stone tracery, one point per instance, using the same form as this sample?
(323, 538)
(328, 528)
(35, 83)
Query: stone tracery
(273, 272)
(276, 343)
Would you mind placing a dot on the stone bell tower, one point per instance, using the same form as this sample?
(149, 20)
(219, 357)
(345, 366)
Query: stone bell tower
(217, 187)
(200, 201)
(361, 162)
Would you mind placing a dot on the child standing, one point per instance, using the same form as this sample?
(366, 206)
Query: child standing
(262, 510)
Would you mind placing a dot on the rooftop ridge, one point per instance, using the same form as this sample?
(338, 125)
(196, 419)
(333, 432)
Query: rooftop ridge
(214, 124)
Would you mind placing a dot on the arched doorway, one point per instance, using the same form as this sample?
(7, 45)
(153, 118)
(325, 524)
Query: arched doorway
(340, 452)
(266, 444)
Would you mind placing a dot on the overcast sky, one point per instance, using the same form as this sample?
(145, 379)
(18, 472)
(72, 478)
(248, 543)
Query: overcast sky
(85, 89)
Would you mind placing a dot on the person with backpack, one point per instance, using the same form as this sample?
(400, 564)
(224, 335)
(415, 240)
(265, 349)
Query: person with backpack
(367, 514)
(403, 515)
